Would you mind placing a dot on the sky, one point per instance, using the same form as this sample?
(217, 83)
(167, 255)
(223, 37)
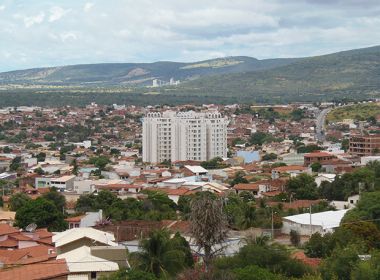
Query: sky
(40, 33)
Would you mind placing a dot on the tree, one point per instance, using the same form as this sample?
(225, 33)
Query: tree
(253, 272)
(340, 264)
(56, 198)
(43, 213)
(295, 238)
(18, 200)
(41, 157)
(271, 156)
(208, 224)
(303, 187)
(100, 161)
(15, 164)
(39, 171)
(161, 255)
(316, 167)
(319, 246)
(239, 178)
(74, 163)
(132, 274)
(367, 208)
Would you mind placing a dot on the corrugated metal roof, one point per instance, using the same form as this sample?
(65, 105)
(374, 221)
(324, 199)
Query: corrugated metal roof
(81, 260)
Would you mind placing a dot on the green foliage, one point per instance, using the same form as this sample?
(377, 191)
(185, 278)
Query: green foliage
(39, 171)
(367, 208)
(163, 256)
(316, 166)
(274, 258)
(238, 179)
(18, 200)
(132, 274)
(319, 246)
(56, 198)
(309, 149)
(15, 164)
(297, 114)
(295, 238)
(340, 265)
(156, 206)
(100, 161)
(303, 187)
(260, 138)
(271, 156)
(254, 272)
(359, 112)
(215, 163)
(41, 212)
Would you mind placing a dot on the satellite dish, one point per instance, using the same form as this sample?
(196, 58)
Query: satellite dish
(31, 227)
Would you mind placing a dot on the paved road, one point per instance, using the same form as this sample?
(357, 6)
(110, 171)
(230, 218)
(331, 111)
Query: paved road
(320, 124)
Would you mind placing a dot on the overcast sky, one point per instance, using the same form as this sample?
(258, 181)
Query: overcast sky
(36, 33)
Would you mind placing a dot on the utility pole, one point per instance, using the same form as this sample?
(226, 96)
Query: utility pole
(272, 225)
(311, 227)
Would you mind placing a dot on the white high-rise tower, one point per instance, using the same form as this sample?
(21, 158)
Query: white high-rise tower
(184, 136)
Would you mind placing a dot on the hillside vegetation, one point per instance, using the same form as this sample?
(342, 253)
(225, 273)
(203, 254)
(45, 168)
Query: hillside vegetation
(348, 75)
(358, 112)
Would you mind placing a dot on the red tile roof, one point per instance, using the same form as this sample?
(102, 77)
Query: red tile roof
(6, 229)
(76, 219)
(318, 154)
(44, 270)
(250, 187)
(290, 168)
(313, 262)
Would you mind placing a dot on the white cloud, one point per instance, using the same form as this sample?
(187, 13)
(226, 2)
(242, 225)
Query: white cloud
(2, 8)
(88, 6)
(57, 13)
(65, 36)
(31, 20)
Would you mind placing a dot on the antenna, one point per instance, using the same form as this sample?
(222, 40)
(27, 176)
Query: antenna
(31, 227)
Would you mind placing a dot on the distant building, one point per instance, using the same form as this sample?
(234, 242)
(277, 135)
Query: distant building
(364, 145)
(306, 224)
(184, 136)
(321, 157)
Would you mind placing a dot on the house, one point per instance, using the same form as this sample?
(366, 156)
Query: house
(350, 203)
(7, 217)
(82, 263)
(89, 219)
(29, 255)
(56, 269)
(307, 224)
(195, 170)
(322, 177)
(292, 170)
(60, 183)
(71, 239)
(320, 157)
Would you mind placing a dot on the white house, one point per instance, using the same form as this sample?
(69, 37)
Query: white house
(307, 224)
(324, 177)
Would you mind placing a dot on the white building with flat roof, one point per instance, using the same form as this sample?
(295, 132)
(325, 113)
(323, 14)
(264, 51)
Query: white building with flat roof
(184, 136)
(306, 224)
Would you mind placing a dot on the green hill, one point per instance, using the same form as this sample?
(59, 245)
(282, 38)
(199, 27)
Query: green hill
(135, 74)
(350, 74)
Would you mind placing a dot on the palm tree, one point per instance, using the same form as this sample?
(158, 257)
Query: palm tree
(161, 255)
(248, 217)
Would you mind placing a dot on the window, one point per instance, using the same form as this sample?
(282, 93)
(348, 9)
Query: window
(93, 274)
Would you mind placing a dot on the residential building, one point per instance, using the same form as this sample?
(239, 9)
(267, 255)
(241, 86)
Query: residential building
(321, 157)
(307, 224)
(89, 219)
(364, 145)
(183, 136)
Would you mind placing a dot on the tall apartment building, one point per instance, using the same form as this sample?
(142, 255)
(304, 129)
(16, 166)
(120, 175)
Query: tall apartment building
(364, 145)
(184, 136)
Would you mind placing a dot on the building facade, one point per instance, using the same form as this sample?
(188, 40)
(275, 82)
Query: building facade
(364, 145)
(184, 136)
